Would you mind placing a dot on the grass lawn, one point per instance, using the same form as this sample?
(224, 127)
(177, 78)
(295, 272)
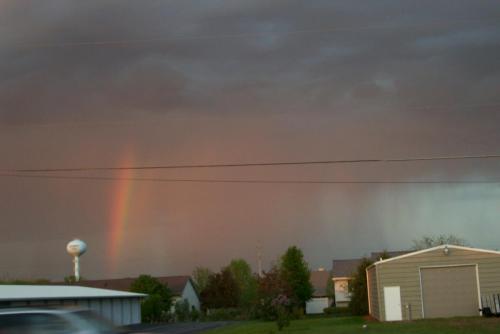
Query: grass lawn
(347, 325)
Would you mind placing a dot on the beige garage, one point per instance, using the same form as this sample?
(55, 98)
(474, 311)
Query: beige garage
(443, 281)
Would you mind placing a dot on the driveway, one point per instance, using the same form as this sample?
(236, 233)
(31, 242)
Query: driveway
(177, 328)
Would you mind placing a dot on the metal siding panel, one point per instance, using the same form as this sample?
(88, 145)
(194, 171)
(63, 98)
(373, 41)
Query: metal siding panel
(117, 311)
(136, 311)
(127, 318)
(106, 309)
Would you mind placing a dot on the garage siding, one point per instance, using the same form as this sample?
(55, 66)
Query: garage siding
(374, 300)
(405, 272)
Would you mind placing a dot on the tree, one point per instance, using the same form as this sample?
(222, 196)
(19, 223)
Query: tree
(270, 287)
(432, 241)
(295, 271)
(242, 273)
(222, 291)
(159, 299)
(358, 289)
(201, 276)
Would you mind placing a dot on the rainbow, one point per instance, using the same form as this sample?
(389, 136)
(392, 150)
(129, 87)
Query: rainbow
(120, 205)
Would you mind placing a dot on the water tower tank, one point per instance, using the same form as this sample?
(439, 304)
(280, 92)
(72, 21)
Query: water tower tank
(76, 248)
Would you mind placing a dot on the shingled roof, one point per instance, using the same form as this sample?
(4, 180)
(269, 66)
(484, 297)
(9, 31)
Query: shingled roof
(344, 268)
(319, 280)
(175, 283)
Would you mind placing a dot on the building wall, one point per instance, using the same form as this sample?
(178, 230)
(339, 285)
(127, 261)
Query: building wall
(342, 295)
(405, 273)
(189, 293)
(120, 311)
(373, 292)
(317, 304)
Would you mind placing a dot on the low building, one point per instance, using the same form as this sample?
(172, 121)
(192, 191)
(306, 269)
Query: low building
(182, 287)
(121, 308)
(320, 300)
(443, 281)
(343, 272)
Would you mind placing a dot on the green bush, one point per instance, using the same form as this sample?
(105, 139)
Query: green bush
(338, 311)
(151, 309)
(182, 312)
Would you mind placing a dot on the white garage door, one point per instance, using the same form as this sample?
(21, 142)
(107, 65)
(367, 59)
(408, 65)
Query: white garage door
(449, 291)
(316, 305)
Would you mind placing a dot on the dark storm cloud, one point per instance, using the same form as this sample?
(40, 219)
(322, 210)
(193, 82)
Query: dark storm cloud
(198, 81)
(203, 56)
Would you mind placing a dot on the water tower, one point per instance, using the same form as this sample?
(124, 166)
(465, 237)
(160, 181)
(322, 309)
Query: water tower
(76, 248)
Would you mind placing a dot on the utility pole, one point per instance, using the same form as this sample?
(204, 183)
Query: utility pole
(259, 260)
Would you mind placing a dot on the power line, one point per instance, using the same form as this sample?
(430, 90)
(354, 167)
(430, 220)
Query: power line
(244, 181)
(139, 41)
(254, 164)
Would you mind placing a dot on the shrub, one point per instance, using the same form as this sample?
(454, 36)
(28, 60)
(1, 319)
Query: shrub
(182, 312)
(221, 314)
(358, 304)
(337, 311)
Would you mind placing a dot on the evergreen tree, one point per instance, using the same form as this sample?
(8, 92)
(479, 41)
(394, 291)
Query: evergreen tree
(358, 289)
(295, 272)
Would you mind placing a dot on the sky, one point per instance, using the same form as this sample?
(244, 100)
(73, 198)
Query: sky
(166, 82)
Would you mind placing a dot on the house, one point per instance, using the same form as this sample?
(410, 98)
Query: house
(320, 300)
(443, 281)
(121, 308)
(182, 287)
(343, 270)
(342, 273)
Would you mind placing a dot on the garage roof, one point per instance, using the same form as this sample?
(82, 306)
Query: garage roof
(434, 248)
(39, 292)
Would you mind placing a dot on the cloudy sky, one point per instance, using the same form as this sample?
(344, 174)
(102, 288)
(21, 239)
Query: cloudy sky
(159, 82)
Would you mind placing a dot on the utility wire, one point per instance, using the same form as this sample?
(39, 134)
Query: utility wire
(139, 41)
(254, 164)
(244, 181)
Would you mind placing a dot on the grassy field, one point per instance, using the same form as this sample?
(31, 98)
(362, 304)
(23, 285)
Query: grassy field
(349, 325)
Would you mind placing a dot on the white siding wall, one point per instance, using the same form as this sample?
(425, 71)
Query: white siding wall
(317, 305)
(190, 295)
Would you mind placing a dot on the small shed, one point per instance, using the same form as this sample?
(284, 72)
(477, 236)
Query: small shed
(439, 282)
(121, 308)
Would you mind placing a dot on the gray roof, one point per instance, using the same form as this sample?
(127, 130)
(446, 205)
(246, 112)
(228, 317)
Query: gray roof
(344, 268)
(319, 280)
(42, 292)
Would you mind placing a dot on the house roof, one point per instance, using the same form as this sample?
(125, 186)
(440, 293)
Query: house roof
(43, 292)
(319, 280)
(344, 268)
(175, 283)
(432, 249)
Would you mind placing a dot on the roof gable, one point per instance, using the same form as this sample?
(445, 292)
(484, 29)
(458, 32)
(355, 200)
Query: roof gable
(479, 250)
(319, 280)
